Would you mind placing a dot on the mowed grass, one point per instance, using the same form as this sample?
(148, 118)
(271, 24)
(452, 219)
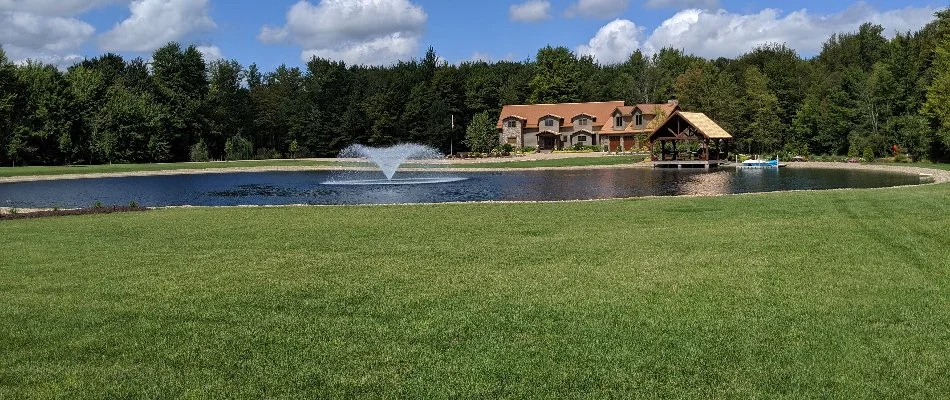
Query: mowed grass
(120, 168)
(126, 168)
(840, 294)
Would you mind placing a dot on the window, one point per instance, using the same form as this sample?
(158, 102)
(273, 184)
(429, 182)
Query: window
(639, 119)
(512, 140)
(618, 120)
(549, 122)
(511, 123)
(582, 138)
(582, 121)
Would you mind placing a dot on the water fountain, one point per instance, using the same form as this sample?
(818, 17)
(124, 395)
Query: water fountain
(388, 160)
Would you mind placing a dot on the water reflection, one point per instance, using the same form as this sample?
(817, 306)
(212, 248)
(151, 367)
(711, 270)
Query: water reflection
(712, 183)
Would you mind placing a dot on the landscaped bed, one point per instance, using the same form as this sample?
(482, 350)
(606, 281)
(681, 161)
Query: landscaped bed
(808, 294)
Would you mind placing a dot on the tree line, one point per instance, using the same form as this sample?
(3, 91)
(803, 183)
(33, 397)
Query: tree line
(863, 93)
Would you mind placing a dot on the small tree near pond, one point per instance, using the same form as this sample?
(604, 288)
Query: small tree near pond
(238, 148)
(294, 148)
(481, 135)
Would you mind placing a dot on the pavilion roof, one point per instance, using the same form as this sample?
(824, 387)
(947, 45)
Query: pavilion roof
(700, 123)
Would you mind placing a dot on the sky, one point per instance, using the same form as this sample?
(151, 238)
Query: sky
(380, 32)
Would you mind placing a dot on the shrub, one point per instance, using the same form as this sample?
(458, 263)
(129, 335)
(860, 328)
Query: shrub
(901, 158)
(527, 149)
(507, 148)
(238, 148)
(868, 155)
(294, 149)
(97, 205)
(268, 154)
(199, 152)
(133, 204)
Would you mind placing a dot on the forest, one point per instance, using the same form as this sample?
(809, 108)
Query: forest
(863, 94)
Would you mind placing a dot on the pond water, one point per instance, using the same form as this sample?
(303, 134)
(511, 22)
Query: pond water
(277, 188)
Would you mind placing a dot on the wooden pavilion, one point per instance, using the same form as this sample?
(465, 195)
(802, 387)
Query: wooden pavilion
(688, 139)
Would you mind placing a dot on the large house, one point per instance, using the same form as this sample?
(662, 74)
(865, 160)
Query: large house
(557, 126)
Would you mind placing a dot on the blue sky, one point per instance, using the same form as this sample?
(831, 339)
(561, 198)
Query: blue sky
(383, 31)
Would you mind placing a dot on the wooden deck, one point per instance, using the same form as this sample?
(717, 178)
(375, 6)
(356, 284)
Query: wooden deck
(689, 164)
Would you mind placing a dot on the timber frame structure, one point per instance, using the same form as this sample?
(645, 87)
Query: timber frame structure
(689, 131)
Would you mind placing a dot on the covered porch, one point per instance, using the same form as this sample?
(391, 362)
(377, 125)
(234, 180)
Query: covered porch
(689, 140)
(549, 140)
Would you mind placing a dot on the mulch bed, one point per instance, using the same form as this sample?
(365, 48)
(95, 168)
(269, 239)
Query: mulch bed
(77, 211)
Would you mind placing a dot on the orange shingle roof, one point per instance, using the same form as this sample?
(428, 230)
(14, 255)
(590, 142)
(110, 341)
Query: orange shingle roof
(650, 109)
(531, 113)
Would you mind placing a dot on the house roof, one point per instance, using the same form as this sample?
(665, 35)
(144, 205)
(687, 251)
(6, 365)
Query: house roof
(699, 121)
(534, 112)
(651, 109)
(626, 110)
(646, 109)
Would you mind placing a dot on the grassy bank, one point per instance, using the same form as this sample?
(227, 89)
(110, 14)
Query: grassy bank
(121, 168)
(814, 294)
(127, 168)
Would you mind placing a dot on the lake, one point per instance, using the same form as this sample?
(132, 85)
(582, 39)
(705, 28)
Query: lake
(280, 188)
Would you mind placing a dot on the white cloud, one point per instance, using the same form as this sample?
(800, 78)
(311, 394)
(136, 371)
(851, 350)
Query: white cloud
(373, 32)
(479, 56)
(210, 53)
(614, 42)
(597, 8)
(530, 11)
(154, 23)
(55, 7)
(714, 34)
(49, 39)
(681, 4)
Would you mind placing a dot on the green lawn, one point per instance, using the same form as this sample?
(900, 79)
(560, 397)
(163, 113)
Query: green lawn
(943, 166)
(839, 294)
(118, 168)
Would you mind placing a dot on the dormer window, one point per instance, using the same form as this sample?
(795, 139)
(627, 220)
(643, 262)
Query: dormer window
(639, 119)
(549, 122)
(618, 120)
(582, 121)
(511, 123)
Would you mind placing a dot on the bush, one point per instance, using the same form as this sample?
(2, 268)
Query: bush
(868, 155)
(294, 149)
(199, 152)
(507, 148)
(266, 154)
(901, 158)
(238, 148)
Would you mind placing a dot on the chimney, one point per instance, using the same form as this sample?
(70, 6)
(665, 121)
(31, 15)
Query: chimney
(673, 100)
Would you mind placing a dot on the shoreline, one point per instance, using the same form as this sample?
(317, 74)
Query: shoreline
(937, 177)
(940, 176)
